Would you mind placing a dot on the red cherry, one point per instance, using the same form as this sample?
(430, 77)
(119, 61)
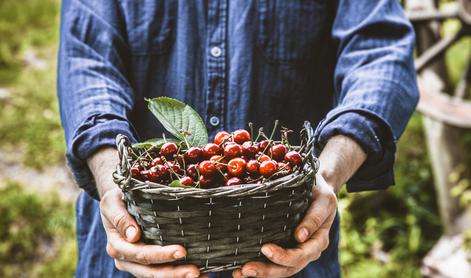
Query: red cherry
(240, 136)
(207, 168)
(158, 172)
(193, 154)
(186, 181)
(145, 174)
(268, 168)
(284, 167)
(206, 181)
(168, 149)
(211, 149)
(264, 157)
(220, 137)
(232, 150)
(174, 166)
(232, 181)
(264, 145)
(293, 158)
(252, 166)
(192, 171)
(135, 171)
(220, 159)
(278, 151)
(249, 149)
(157, 161)
(236, 166)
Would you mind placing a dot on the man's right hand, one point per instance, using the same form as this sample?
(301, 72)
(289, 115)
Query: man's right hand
(123, 233)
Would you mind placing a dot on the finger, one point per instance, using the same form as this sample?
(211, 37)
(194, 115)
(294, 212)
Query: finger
(321, 212)
(183, 271)
(237, 273)
(142, 253)
(295, 257)
(312, 248)
(260, 269)
(116, 217)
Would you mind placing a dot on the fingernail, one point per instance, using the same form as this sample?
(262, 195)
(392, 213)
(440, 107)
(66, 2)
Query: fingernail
(130, 232)
(178, 255)
(191, 275)
(303, 234)
(267, 252)
(249, 272)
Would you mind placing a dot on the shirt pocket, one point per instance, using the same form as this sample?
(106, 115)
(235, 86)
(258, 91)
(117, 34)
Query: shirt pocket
(290, 32)
(150, 25)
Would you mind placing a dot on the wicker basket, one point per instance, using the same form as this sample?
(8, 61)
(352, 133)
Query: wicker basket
(224, 227)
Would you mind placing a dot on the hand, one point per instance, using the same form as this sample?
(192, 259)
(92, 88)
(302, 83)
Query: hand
(123, 233)
(312, 234)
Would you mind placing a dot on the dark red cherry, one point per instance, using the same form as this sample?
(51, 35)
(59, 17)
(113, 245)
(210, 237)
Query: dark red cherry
(220, 161)
(135, 171)
(174, 167)
(252, 166)
(293, 158)
(232, 150)
(192, 172)
(236, 166)
(220, 137)
(249, 149)
(187, 181)
(264, 145)
(278, 152)
(232, 181)
(207, 168)
(240, 136)
(206, 181)
(157, 161)
(168, 149)
(263, 157)
(268, 168)
(193, 154)
(284, 167)
(211, 149)
(158, 172)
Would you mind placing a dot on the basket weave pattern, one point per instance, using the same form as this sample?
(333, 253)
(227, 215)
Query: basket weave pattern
(224, 227)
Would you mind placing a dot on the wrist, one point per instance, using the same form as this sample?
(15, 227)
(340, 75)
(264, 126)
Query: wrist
(102, 164)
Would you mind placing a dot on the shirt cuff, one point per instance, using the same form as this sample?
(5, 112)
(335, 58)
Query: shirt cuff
(374, 136)
(96, 132)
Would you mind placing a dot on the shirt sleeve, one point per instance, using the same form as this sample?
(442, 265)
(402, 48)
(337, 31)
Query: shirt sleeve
(375, 85)
(95, 97)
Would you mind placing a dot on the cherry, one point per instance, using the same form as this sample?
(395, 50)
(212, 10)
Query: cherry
(158, 172)
(232, 181)
(220, 159)
(193, 154)
(174, 166)
(207, 168)
(157, 161)
(168, 149)
(249, 149)
(192, 171)
(206, 181)
(221, 136)
(278, 151)
(284, 167)
(135, 171)
(236, 166)
(211, 149)
(293, 158)
(268, 168)
(145, 174)
(252, 166)
(263, 157)
(240, 136)
(264, 145)
(232, 150)
(186, 180)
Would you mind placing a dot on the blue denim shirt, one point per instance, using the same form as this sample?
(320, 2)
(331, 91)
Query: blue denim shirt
(344, 65)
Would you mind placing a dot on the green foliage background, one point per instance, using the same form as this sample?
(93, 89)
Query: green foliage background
(384, 234)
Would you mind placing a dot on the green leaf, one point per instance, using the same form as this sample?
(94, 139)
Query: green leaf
(176, 116)
(154, 142)
(177, 183)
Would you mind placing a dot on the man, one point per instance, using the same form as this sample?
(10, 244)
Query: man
(344, 65)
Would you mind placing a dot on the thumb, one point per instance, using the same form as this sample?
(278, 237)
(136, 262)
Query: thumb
(116, 218)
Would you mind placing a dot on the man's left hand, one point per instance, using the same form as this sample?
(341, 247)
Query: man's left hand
(312, 234)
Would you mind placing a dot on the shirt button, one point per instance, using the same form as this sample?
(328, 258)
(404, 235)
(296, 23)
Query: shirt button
(214, 121)
(216, 51)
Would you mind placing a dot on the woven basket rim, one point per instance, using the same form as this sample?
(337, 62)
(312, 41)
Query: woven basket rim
(122, 176)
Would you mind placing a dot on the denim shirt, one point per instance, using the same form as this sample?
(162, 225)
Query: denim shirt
(344, 65)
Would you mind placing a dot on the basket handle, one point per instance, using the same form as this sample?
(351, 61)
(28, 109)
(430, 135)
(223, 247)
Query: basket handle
(307, 137)
(122, 176)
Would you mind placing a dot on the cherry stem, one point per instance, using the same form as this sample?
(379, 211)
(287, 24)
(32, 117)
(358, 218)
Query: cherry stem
(251, 131)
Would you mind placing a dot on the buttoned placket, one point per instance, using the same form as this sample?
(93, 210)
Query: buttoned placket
(216, 59)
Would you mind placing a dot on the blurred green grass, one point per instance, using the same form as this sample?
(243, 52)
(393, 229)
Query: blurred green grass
(384, 234)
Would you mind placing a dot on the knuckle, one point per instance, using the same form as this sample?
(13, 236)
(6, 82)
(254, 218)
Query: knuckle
(119, 220)
(143, 258)
(111, 251)
(325, 243)
(118, 265)
(314, 222)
